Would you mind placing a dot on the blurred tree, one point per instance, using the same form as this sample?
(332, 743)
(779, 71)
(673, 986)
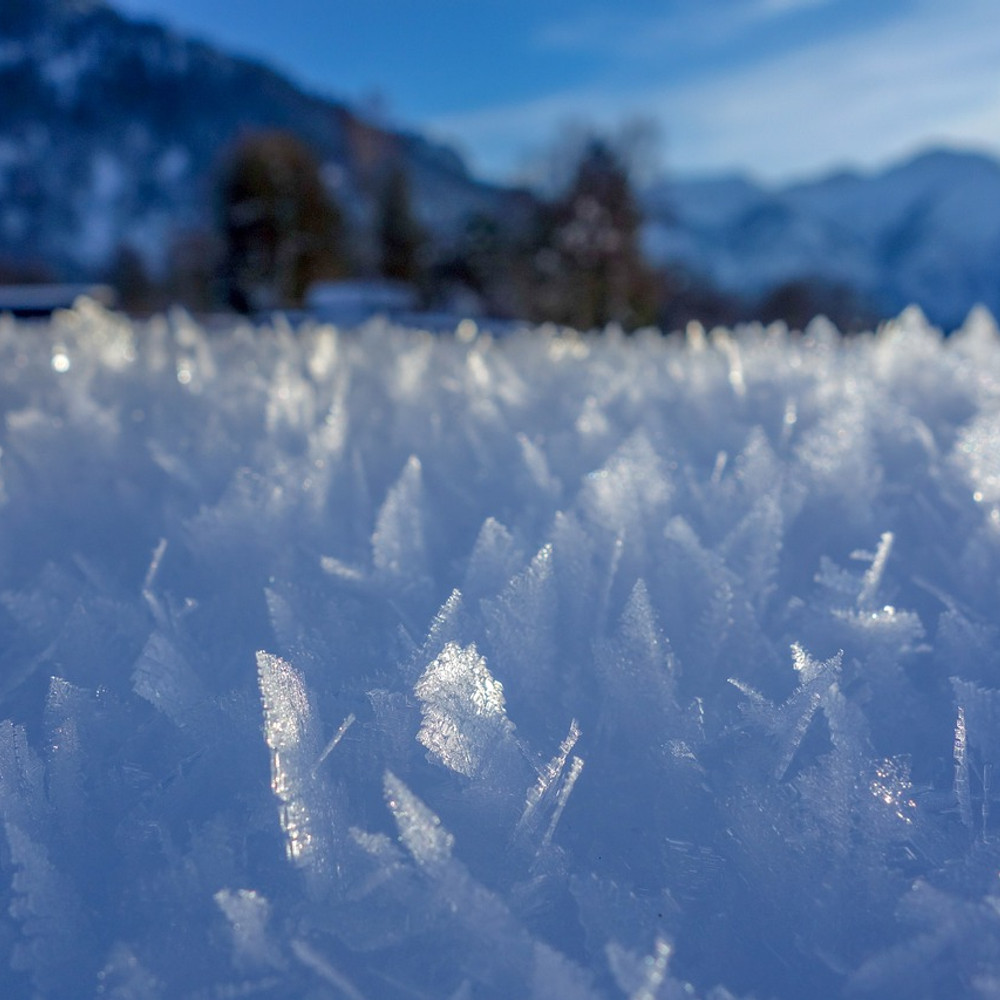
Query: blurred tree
(589, 262)
(18, 271)
(400, 236)
(192, 270)
(683, 295)
(800, 300)
(281, 229)
(636, 144)
(138, 293)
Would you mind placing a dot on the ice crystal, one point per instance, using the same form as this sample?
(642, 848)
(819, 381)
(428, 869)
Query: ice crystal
(376, 663)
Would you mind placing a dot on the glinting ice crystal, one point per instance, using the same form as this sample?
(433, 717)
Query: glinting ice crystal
(376, 664)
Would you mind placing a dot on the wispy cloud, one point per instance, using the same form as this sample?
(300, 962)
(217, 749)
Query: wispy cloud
(637, 35)
(927, 76)
(772, 8)
(862, 99)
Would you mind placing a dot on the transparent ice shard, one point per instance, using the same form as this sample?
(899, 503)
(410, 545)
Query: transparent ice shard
(322, 968)
(291, 734)
(891, 786)
(334, 741)
(520, 625)
(398, 544)
(788, 722)
(547, 798)
(493, 947)
(420, 830)
(464, 715)
(555, 977)
(630, 494)
(494, 560)
(654, 971)
(562, 797)
(447, 627)
(124, 977)
(56, 946)
(960, 753)
(165, 679)
(637, 667)
(873, 576)
(976, 750)
(753, 548)
(578, 580)
(22, 780)
(701, 596)
(976, 453)
(537, 467)
(66, 708)
(249, 913)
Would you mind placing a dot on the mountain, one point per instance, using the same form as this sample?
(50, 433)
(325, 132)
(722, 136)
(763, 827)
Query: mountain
(926, 230)
(112, 133)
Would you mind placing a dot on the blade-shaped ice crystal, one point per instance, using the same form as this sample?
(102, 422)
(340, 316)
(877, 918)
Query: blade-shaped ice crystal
(753, 548)
(963, 794)
(789, 722)
(289, 729)
(637, 667)
(248, 913)
(65, 709)
(420, 830)
(464, 718)
(494, 560)
(445, 628)
(124, 977)
(315, 962)
(520, 625)
(562, 797)
(164, 678)
(22, 780)
(655, 971)
(549, 792)
(630, 493)
(334, 741)
(976, 746)
(55, 948)
(978, 453)
(398, 548)
(873, 576)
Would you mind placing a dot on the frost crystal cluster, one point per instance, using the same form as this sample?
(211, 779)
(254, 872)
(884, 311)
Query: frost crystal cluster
(376, 664)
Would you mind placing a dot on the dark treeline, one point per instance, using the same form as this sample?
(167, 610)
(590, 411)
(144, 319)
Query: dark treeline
(572, 257)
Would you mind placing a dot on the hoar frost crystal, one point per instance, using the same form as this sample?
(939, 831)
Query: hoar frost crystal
(375, 664)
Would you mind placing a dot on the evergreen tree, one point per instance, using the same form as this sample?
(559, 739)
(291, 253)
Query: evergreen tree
(590, 264)
(281, 229)
(400, 237)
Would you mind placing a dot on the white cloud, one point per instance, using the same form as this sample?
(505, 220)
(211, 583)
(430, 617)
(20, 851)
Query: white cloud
(928, 76)
(770, 8)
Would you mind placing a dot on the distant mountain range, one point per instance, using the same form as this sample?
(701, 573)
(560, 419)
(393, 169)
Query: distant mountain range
(925, 231)
(112, 133)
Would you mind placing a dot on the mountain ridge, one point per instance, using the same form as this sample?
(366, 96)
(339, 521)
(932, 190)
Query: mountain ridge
(114, 130)
(925, 229)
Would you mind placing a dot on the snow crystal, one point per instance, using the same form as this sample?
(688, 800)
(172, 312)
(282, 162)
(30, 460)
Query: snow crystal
(463, 710)
(371, 663)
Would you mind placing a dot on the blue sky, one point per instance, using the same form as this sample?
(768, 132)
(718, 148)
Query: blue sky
(780, 89)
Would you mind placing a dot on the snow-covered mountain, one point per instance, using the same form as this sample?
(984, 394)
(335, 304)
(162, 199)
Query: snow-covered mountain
(927, 231)
(112, 132)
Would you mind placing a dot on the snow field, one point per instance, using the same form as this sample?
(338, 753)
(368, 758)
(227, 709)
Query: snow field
(371, 663)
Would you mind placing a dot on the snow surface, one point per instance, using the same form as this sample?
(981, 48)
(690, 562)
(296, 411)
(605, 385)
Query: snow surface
(370, 663)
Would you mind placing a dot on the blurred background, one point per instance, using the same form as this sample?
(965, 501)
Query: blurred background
(644, 162)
